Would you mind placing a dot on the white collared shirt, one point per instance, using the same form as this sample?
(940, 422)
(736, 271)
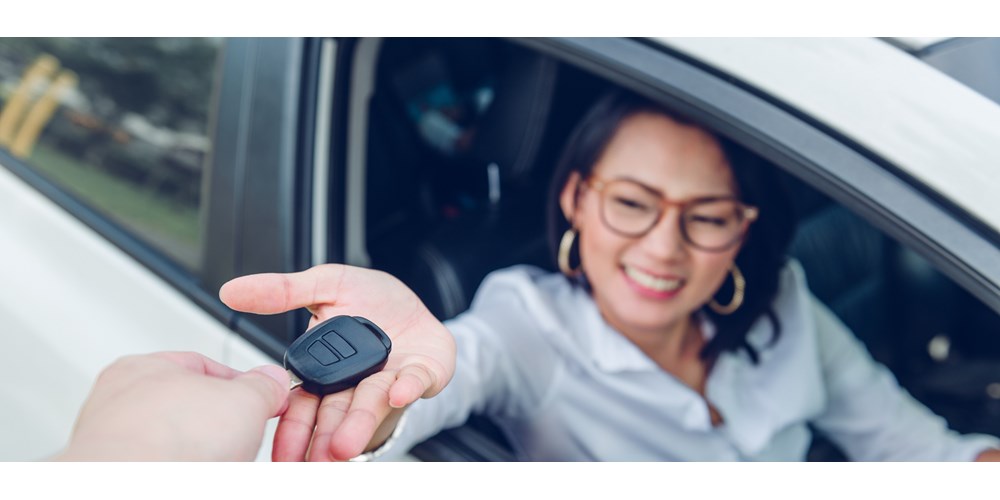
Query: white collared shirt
(536, 356)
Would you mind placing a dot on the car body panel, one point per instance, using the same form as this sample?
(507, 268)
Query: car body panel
(922, 121)
(70, 305)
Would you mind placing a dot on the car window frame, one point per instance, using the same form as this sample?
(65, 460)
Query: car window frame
(266, 163)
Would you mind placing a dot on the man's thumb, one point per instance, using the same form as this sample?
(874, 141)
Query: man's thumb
(271, 382)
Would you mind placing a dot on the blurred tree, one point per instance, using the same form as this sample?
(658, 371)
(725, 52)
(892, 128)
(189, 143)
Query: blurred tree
(161, 86)
(163, 79)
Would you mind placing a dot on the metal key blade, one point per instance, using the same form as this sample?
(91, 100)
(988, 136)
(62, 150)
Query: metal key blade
(296, 381)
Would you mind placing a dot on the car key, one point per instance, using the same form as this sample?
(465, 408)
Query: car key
(337, 354)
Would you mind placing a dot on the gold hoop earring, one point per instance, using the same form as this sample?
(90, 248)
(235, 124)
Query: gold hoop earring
(565, 246)
(739, 286)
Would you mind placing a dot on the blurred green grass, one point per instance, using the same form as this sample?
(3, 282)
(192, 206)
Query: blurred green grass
(169, 226)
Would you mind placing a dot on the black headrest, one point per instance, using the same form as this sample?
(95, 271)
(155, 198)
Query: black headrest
(511, 130)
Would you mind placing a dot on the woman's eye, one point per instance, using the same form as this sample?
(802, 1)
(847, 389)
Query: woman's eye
(632, 204)
(712, 221)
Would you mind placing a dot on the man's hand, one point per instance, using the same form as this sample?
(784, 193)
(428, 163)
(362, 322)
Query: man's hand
(177, 406)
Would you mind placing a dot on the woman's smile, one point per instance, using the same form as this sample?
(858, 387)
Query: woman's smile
(650, 285)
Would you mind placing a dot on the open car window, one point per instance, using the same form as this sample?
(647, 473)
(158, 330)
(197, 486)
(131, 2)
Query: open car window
(468, 188)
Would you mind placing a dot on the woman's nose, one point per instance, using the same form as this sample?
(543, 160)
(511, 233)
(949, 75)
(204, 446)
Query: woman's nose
(665, 239)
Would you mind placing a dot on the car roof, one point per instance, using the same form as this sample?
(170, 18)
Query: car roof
(929, 125)
(917, 43)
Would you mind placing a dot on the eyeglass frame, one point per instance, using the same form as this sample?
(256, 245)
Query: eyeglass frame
(750, 213)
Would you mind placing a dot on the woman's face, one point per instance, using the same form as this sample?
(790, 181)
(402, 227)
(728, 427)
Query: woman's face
(651, 283)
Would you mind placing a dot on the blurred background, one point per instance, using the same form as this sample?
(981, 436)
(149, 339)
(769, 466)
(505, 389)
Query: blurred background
(121, 123)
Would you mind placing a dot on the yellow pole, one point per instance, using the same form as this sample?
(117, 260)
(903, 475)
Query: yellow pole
(40, 114)
(10, 116)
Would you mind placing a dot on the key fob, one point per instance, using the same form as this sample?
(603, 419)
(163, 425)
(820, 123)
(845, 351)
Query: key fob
(337, 354)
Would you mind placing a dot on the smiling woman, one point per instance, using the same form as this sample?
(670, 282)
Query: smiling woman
(625, 137)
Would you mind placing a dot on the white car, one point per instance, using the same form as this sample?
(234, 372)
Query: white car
(140, 175)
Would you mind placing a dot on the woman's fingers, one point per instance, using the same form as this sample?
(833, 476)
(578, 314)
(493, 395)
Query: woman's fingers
(330, 415)
(295, 428)
(272, 293)
(412, 382)
(343, 425)
(346, 422)
(368, 410)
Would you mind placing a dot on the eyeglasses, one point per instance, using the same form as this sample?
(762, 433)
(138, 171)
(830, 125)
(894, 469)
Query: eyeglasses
(713, 223)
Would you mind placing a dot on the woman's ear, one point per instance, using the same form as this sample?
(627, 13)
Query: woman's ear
(567, 199)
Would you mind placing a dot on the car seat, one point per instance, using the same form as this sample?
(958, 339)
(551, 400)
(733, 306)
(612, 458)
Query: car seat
(452, 218)
(910, 317)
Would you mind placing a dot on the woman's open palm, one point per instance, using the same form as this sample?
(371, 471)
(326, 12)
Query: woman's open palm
(340, 426)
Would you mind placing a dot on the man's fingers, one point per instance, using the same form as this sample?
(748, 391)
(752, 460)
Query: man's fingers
(295, 429)
(272, 293)
(273, 388)
(271, 383)
(198, 363)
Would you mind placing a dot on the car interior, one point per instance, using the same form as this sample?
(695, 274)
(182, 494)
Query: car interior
(462, 138)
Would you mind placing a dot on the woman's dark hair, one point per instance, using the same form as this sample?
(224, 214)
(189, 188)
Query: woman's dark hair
(764, 250)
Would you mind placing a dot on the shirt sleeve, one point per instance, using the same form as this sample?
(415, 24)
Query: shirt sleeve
(870, 416)
(502, 369)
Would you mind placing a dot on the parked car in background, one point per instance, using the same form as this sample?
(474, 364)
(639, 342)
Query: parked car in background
(139, 175)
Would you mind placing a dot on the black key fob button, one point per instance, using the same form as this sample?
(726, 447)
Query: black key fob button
(338, 354)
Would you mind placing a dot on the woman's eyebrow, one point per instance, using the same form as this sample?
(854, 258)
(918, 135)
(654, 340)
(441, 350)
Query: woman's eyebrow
(659, 193)
(639, 182)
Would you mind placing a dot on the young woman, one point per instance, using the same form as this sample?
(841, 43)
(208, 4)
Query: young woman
(677, 330)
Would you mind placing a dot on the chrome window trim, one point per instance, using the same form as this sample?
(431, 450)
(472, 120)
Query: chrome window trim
(362, 88)
(321, 151)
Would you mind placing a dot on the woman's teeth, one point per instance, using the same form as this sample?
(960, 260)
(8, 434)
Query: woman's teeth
(652, 282)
